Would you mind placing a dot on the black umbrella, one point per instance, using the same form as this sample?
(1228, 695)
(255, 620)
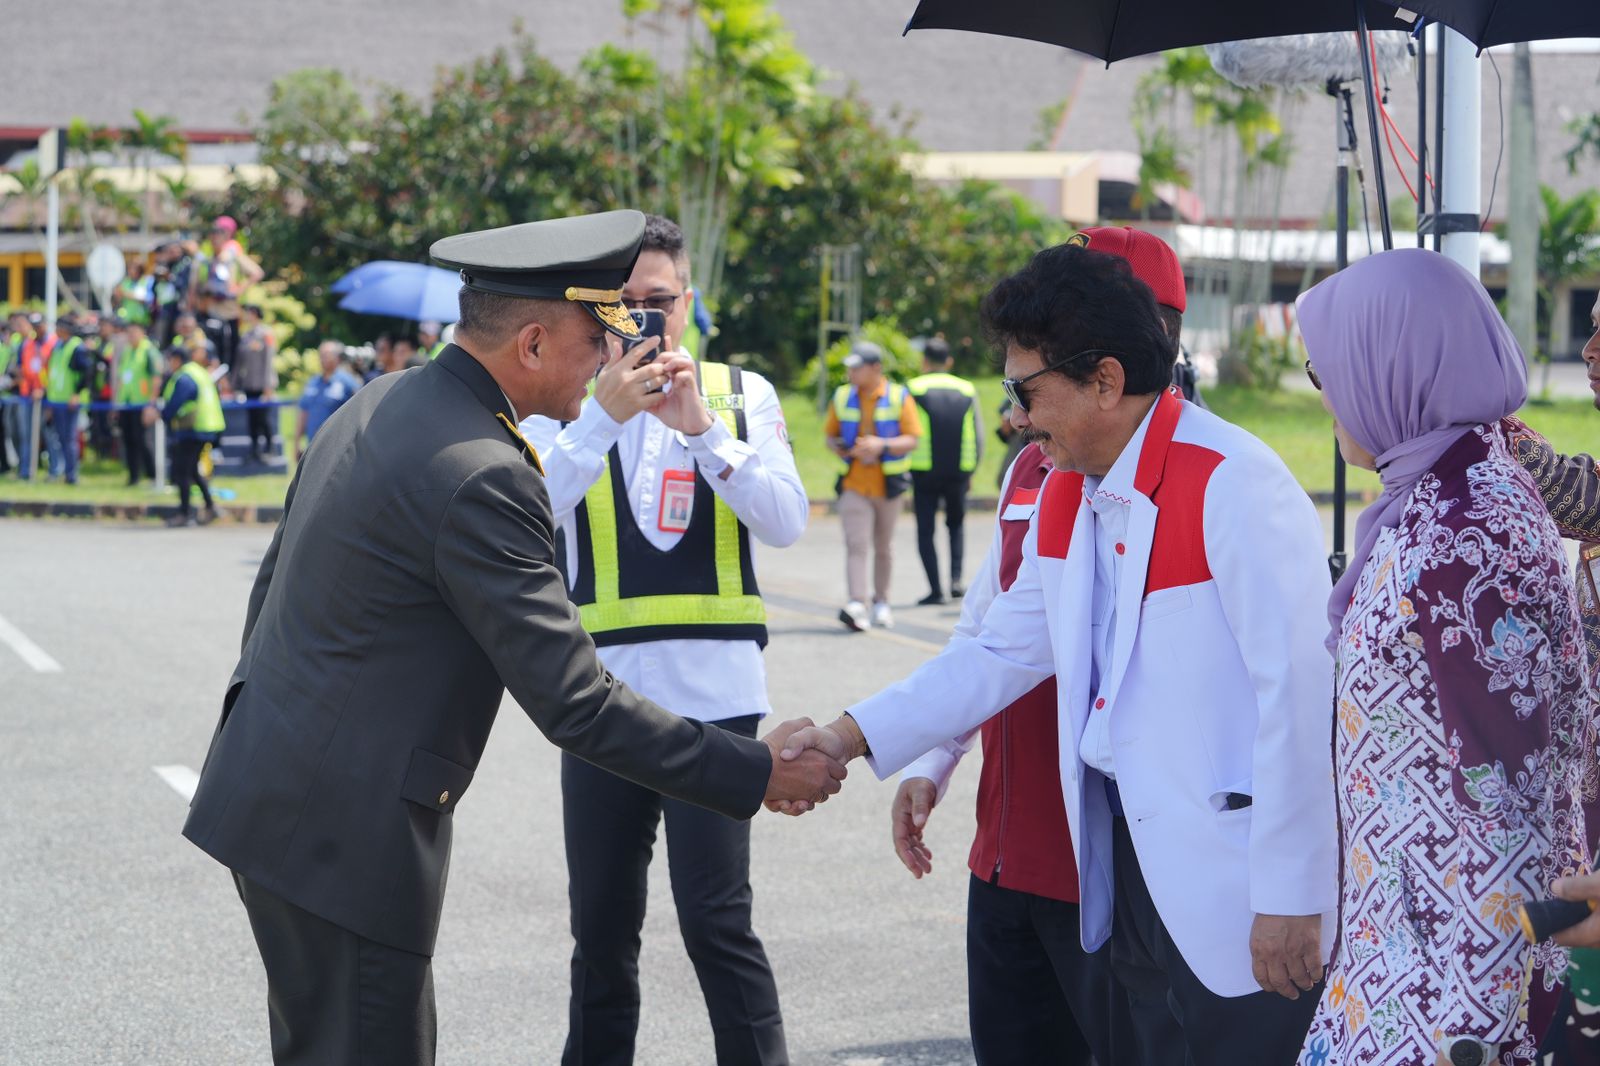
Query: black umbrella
(1119, 29)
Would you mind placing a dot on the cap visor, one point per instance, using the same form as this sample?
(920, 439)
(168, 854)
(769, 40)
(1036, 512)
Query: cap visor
(615, 318)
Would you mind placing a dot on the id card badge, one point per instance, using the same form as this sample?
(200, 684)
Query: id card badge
(677, 501)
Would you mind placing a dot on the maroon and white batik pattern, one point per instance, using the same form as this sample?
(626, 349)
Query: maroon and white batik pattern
(1463, 746)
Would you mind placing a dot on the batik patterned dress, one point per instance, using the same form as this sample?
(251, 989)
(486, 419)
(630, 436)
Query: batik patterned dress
(1463, 744)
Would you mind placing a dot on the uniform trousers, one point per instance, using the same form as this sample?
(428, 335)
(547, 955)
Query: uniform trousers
(868, 523)
(929, 492)
(135, 451)
(186, 472)
(1034, 996)
(1177, 1020)
(61, 440)
(335, 998)
(610, 828)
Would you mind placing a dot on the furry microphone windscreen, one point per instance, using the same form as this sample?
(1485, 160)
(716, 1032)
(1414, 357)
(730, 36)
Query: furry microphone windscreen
(1308, 59)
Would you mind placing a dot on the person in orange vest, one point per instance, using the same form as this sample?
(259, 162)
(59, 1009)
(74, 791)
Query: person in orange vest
(32, 359)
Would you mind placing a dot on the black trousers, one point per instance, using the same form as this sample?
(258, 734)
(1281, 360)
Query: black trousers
(335, 998)
(1177, 1021)
(186, 472)
(1034, 996)
(610, 830)
(260, 419)
(138, 457)
(928, 492)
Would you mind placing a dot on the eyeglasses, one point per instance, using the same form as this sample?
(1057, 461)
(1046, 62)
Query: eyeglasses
(661, 301)
(1012, 387)
(1311, 373)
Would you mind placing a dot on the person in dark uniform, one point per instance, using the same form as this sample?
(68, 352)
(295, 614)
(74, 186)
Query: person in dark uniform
(942, 462)
(411, 581)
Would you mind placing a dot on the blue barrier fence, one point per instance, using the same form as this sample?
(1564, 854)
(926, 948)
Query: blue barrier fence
(231, 456)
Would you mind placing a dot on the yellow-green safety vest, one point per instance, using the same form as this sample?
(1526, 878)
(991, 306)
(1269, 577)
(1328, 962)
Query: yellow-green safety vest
(886, 417)
(138, 370)
(628, 591)
(59, 375)
(938, 413)
(202, 414)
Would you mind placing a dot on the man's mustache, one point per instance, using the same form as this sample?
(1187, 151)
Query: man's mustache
(1033, 436)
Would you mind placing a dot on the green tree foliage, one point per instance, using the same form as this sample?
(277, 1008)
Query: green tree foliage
(758, 167)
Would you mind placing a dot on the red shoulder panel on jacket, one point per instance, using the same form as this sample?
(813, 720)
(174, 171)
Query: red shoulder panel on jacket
(1178, 553)
(1058, 513)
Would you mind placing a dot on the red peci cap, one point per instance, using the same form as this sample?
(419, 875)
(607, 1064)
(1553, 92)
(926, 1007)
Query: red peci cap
(1152, 259)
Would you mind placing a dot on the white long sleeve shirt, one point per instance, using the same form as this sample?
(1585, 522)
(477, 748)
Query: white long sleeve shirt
(707, 680)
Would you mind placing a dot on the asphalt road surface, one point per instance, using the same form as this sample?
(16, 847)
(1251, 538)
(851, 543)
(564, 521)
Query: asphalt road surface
(122, 943)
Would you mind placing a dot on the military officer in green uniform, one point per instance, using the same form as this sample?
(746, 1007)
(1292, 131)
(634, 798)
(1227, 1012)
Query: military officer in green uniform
(411, 581)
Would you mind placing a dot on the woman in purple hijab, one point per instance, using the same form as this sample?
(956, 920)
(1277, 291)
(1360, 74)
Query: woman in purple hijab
(1462, 735)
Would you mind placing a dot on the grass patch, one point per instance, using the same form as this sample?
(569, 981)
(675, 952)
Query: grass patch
(1293, 424)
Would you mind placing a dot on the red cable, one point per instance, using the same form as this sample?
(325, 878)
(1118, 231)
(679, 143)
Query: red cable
(1389, 125)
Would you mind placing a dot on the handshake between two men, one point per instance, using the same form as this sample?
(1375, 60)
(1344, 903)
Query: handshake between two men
(808, 762)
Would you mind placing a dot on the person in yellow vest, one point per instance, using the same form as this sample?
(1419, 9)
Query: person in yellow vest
(66, 390)
(872, 427)
(193, 412)
(943, 462)
(428, 342)
(659, 489)
(136, 377)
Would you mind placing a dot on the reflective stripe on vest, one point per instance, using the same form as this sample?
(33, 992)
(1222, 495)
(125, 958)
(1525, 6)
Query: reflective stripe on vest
(922, 454)
(728, 608)
(206, 408)
(885, 418)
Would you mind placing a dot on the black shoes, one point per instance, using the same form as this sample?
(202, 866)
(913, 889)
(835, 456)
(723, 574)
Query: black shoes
(932, 599)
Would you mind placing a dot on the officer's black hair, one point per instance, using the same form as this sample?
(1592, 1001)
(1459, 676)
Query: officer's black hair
(936, 351)
(661, 234)
(1070, 299)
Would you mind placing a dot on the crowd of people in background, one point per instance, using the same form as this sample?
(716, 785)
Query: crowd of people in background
(180, 339)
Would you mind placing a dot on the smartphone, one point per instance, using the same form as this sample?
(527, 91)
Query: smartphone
(651, 323)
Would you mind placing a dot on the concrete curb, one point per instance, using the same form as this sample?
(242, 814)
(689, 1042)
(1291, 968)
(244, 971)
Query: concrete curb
(238, 514)
(268, 514)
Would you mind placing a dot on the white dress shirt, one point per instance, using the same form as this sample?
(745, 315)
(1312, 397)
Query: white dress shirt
(1108, 498)
(707, 680)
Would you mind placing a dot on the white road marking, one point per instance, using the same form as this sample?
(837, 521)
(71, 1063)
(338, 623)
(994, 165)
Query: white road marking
(182, 779)
(30, 652)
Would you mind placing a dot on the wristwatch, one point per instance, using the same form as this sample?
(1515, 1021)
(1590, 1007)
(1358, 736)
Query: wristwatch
(1467, 1051)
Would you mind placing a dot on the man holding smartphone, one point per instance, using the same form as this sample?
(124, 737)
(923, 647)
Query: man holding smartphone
(658, 486)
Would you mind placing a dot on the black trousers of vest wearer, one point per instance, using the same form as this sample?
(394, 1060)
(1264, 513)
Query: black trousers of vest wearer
(930, 491)
(139, 458)
(610, 830)
(1177, 1021)
(1034, 996)
(335, 997)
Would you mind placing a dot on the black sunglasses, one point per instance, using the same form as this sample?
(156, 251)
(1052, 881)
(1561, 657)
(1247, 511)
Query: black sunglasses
(1012, 387)
(663, 302)
(1311, 373)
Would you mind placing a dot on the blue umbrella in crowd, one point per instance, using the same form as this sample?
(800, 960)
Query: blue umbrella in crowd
(366, 274)
(405, 290)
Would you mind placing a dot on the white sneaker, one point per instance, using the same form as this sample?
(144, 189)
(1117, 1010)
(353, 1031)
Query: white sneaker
(882, 617)
(854, 615)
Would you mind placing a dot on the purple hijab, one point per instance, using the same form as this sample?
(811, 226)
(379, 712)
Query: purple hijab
(1411, 354)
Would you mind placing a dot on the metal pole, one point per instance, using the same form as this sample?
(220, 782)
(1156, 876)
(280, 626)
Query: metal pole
(1422, 133)
(1438, 132)
(52, 256)
(1363, 43)
(161, 456)
(1459, 160)
(1344, 116)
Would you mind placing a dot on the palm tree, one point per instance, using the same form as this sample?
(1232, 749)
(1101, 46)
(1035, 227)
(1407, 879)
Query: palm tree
(149, 137)
(1568, 251)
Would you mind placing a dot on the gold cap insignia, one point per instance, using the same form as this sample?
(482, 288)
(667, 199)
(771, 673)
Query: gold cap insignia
(1079, 239)
(617, 317)
(593, 296)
